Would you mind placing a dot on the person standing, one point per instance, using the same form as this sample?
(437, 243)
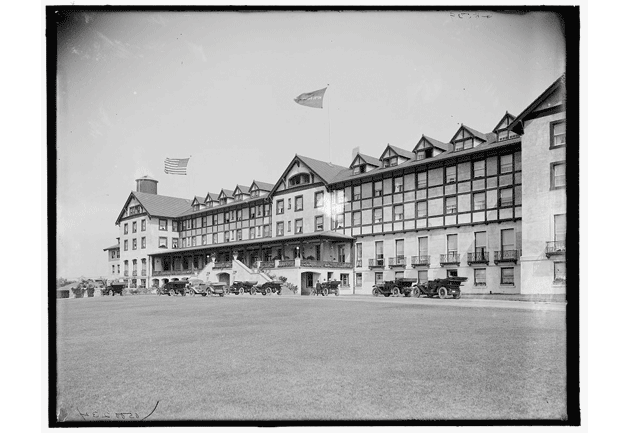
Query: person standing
(318, 288)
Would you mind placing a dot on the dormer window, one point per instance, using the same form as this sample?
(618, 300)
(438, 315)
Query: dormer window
(501, 129)
(195, 207)
(238, 197)
(255, 193)
(299, 179)
(390, 162)
(359, 169)
(223, 201)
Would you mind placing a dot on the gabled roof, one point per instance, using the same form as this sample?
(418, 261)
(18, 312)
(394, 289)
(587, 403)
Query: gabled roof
(212, 196)
(263, 186)
(433, 142)
(226, 193)
(325, 170)
(398, 151)
(472, 131)
(510, 119)
(517, 124)
(242, 188)
(198, 200)
(158, 205)
(369, 160)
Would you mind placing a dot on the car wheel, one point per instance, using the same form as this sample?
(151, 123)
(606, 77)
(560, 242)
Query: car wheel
(111, 293)
(192, 292)
(279, 292)
(396, 291)
(204, 294)
(241, 291)
(252, 291)
(442, 292)
(416, 292)
(171, 292)
(457, 295)
(325, 292)
(375, 292)
(268, 290)
(387, 295)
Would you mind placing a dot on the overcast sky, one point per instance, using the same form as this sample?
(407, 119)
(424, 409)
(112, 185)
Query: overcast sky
(135, 88)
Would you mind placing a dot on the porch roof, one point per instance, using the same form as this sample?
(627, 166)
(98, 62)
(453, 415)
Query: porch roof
(325, 235)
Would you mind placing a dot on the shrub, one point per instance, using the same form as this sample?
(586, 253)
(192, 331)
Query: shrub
(78, 292)
(90, 292)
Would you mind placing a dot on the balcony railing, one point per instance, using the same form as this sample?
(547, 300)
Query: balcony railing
(376, 263)
(223, 265)
(449, 259)
(424, 260)
(267, 264)
(478, 257)
(324, 264)
(286, 263)
(506, 256)
(556, 248)
(398, 261)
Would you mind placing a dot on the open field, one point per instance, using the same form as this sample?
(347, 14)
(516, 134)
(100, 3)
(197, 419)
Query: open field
(260, 358)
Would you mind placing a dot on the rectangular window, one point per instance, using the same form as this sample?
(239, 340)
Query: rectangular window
(377, 215)
(266, 230)
(480, 242)
(288, 204)
(378, 277)
(451, 244)
(560, 228)
(558, 134)
(267, 210)
(479, 201)
(162, 242)
(174, 243)
(356, 192)
(479, 169)
(126, 228)
(400, 250)
(239, 215)
(344, 280)
(451, 174)
(143, 242)
(239, 234)
(507, 276)
(508, 242)
(299, 203)
(451, 205)
(134, 244)
(378, 188)
(204, 239)
(356, 218)
(215, 238)
(252, 212)
(126, 245)
(506, 198)
(423, 246)
(399, 214)
(359, 255)
(480, 277)
(506, 163)
(204, 221)
(422, 180)
(299, 224)
(398, 184)
(143, 225)
(378, 248)
(319, 199)
(319, 223)
(280, 229)
(559, 272)
(252, 232)
(421, 209)
(193, 240)
(162, 225)
(288, 226)
(558, 175)
(358, 279)
(280, 207)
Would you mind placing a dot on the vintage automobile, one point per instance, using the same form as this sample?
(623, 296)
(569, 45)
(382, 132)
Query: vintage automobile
(269, 287)
(441, 287)
(217, 289)
(397, 287)
(197, 286)
(115, 287)
(327, 287)
(173, 288)
(241, 287)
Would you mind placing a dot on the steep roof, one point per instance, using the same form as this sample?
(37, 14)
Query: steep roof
(264, 186)
(213, 196)
(227, 193)
(401, 152)
(435, 143)
(158, 205)
(368, 159)
(517, 124)
(244, 189)
(325, 170)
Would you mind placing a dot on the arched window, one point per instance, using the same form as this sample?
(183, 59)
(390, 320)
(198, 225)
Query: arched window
(299, 179)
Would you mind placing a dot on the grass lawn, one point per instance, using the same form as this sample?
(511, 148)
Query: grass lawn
(277, 358)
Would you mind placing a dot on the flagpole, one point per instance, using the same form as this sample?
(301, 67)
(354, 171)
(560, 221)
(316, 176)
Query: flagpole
(328, 109)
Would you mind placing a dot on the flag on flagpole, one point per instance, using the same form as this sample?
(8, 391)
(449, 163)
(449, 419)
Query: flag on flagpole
(312, 99)
(175, 166)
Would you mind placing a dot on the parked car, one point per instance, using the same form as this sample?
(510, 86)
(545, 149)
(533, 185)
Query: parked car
(197, 286)
(217, 289)
(327, 287)
(397, 287)
(173, 288)
(441, 287)
(241, 287)
(115, 287)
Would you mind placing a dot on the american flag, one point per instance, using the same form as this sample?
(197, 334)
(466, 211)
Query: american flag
(175, 166)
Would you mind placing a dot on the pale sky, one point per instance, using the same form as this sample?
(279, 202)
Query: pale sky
(137, 87)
